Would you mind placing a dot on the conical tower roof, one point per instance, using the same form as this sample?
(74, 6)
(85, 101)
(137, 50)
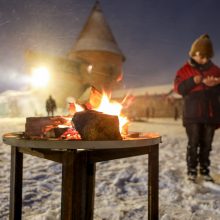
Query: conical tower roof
(96, 35)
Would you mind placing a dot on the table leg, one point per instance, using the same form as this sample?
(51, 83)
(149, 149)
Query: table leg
(153, 183)
(90, 187)
(78, 183)
(16, 184)
(67, 185)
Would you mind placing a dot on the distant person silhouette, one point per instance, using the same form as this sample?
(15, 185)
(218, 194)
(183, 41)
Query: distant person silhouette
(153, 112)
(50, 106)
(147, 113)
(176, 113)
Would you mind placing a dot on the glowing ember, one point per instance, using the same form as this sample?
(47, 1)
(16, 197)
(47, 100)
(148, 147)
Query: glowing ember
(70, 134)
(64, 128)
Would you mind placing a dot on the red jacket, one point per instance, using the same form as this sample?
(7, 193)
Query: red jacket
(201, 102)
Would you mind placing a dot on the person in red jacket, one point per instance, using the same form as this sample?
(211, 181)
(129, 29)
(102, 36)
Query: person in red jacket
(198, 81)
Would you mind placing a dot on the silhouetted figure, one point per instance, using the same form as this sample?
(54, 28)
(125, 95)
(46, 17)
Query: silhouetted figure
(50, 106)
(176, 113)
(147, 112)
(152, 112)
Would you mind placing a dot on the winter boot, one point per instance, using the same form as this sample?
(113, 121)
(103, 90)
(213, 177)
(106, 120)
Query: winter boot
(208, 178)
(192, 175)
(205, 174)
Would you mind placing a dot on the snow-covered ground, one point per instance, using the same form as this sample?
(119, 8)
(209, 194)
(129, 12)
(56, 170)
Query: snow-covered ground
(121, 189)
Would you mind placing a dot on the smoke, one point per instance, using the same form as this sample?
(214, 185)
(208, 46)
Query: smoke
(12, 79)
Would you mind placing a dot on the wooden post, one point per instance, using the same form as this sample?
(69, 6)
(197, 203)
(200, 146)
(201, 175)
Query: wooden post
(153, 184)
(16, 184)
(67, 185)
(90, 186)
(78, 185)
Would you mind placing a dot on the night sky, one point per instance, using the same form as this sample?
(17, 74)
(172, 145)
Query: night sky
(154, 35)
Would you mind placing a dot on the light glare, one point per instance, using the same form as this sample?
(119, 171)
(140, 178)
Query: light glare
(39, 77)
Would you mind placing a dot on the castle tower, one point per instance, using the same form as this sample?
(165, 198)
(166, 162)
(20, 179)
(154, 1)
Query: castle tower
(95, 60)
(97, 46)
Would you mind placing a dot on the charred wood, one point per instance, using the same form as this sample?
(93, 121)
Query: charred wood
(93, 125)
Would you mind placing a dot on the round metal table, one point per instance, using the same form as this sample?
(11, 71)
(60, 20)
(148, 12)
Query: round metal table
(78, 159)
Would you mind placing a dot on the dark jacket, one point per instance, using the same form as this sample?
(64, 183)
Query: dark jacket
(50, 104)
(201, 102)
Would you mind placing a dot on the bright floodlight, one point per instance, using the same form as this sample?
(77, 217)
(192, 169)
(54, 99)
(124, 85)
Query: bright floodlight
(39, 77)
(89, 69)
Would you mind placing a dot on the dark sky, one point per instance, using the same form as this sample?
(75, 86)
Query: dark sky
(154, 35)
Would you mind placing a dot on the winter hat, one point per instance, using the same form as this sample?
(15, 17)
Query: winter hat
(203, 45)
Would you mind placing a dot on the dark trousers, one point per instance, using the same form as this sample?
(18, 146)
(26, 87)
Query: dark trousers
(200, 137)
(48, 113)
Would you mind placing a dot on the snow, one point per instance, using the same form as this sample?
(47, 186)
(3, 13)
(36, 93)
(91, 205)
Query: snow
(147, 90)
(22, 103)
(121, 189)
(25, 103)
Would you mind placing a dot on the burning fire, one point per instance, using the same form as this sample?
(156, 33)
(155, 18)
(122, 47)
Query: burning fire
(106, 106)
(110, 107)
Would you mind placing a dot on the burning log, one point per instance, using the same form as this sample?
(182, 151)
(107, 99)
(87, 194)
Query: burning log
(59, 131)
(93, 125)
(91, 98)
(39, 126)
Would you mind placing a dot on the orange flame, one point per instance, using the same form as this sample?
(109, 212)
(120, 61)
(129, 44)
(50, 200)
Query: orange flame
(74, 107)
(111, 107)
(120, 77)
(105, 106)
